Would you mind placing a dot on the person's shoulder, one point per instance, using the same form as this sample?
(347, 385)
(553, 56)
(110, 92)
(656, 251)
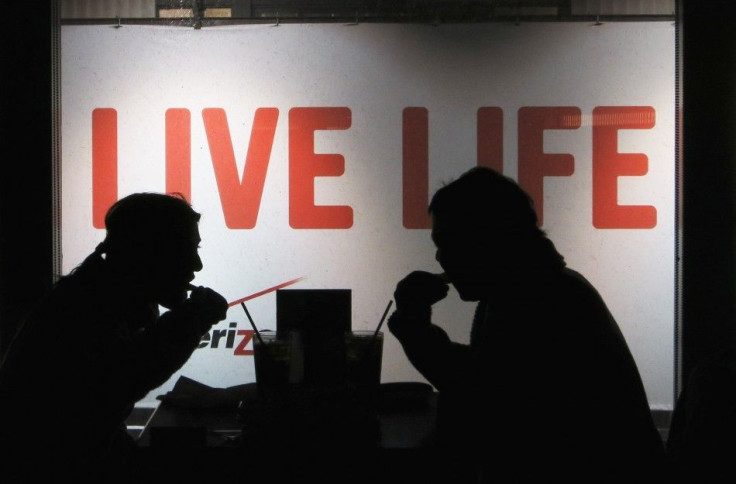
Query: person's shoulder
(573, 280)
(573, 275)
(77, 299)
(581, 297)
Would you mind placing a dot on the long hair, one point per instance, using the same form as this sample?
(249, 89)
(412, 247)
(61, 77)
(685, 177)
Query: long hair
(483, 203)
(482, 198)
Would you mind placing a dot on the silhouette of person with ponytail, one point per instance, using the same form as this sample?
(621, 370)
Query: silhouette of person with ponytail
(97, 344)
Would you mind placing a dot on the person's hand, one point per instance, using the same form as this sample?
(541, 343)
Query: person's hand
(416, 293)
(207, 306)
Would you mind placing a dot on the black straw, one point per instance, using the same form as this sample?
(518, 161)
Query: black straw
(253, 325)
(375, 334)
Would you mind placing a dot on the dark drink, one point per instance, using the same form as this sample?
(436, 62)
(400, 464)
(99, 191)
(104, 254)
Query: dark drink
(363, 358)
(272, 359)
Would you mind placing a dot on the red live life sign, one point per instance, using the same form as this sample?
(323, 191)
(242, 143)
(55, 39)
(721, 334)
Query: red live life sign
(241, 196)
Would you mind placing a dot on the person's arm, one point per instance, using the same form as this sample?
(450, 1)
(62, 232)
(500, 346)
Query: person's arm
(428, 347)
(431, 352)
(152, 355)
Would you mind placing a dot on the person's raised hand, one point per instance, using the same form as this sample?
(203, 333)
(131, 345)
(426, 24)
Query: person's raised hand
(208, 306)
(418, 291)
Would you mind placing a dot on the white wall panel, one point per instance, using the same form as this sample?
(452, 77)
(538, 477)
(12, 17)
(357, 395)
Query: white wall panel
(375, 71)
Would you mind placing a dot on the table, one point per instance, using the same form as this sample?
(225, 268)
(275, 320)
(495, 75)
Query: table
(186, 438)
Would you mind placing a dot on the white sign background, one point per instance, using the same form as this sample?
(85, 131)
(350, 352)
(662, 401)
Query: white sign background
(376, 70)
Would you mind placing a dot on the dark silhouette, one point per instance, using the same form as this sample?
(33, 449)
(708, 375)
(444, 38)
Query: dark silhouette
(97, 344)
(701, 443)
(547, 385)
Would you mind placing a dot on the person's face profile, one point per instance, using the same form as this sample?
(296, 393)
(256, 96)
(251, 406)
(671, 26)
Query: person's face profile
(462, 256)
(175, 267)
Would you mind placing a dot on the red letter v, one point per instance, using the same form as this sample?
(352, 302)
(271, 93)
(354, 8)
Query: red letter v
(240, 201)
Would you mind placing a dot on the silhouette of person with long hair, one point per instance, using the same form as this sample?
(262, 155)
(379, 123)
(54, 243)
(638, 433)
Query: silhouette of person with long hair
(97, 344)
(547, 385)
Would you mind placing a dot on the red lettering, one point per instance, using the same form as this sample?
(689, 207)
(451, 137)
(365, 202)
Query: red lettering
(179, 152)
(240, 201)
(305, 165)
(415, 171)
(247, 335)
(534, 163)
(489, 138)
(241, 196)
(609, 164)
(104, 163)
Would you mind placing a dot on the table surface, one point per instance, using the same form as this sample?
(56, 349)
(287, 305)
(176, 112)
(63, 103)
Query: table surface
(202, 439)
(405, 419)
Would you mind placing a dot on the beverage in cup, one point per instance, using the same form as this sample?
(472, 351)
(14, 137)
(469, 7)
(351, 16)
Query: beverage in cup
(277, 359)
(363, 358)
